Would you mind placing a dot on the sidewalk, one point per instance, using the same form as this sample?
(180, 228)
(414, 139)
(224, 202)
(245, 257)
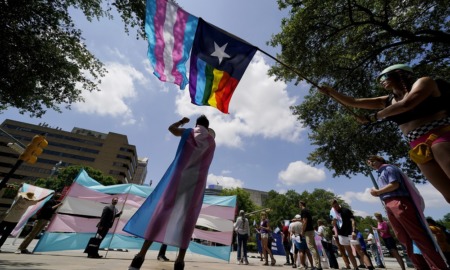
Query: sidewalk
(76, 260)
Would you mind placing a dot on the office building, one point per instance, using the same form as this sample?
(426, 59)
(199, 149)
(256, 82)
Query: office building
(108, 152)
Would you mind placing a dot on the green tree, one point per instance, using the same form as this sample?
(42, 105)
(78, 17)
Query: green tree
(43, 58)
(286, 206)
(67, 175)
(363, 223)
(282, 206)
(243, 201)
(445, 221)
(345, 44)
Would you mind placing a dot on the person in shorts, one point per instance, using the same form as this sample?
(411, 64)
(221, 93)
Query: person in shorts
(345, 222)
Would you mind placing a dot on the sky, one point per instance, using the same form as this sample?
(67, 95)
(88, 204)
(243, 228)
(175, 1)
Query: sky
(260, 144)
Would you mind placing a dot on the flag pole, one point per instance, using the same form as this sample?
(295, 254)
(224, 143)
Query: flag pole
(304, 78)
(118, 220)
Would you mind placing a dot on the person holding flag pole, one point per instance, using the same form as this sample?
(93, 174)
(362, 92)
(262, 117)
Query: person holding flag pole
(404, 207)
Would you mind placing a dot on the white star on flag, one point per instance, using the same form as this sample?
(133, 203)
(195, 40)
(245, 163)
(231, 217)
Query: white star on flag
(219, 52)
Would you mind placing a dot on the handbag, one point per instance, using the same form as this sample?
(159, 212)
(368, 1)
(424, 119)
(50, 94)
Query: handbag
(93, 245)
(421, 153)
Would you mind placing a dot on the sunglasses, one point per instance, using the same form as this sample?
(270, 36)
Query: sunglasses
(386, 76)
(383, 78)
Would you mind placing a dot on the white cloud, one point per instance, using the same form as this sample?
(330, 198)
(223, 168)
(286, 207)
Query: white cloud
(360, 213)
(224, 181)
(299, 172)
(117, 87)
(432, 197)
(364, 196)
(259, 107)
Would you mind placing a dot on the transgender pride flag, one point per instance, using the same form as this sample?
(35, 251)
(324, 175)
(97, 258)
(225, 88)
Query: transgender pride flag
(170, 31)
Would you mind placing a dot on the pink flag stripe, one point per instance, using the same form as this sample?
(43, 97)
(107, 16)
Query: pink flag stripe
(218, 211)
(75, 224)
(83, 192)
(223, 238)
(168, 49)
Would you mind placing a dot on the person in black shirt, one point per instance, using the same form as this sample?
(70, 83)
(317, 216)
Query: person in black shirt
(308, 233)
(345, 222)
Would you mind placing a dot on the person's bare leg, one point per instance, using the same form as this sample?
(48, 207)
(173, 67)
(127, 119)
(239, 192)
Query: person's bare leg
(437, 171)
(350, 256)
(399, 258)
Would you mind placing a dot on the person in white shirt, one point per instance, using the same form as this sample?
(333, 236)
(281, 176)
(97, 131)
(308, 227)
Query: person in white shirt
(242, 229)
(326, 235)
(299, 242)
(372, 246)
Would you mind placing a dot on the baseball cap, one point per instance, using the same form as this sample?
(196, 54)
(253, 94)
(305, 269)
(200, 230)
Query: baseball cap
(297, 216)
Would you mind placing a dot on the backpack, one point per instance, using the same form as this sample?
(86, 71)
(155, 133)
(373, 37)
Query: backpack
(444, 88)
(327, 234)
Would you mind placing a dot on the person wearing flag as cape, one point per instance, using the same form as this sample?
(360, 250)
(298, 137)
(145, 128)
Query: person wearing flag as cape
(404, 207)
(169, 214)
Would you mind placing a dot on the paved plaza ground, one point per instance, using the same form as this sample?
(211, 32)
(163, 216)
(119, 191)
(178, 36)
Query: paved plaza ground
(75, 260)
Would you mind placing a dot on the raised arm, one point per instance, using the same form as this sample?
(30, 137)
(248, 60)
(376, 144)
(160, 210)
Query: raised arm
(364, 103)
(176, 129)
(422, 89)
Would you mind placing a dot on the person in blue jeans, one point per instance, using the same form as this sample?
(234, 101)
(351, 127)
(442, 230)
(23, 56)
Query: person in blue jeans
(242, 229)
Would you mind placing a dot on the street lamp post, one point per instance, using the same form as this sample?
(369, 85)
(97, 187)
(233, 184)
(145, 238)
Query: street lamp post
(55, 168)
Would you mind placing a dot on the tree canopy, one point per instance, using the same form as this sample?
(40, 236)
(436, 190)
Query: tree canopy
(44, 62)
(66, 176)
(345, 44)
(286, 206)
(243, 201)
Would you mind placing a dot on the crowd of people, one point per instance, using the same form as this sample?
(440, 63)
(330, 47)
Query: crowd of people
(414, 104)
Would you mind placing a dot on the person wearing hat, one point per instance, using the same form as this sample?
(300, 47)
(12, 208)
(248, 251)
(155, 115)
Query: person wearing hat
(417, 106)
(20, 205)
(404, 208)
(242, 229)
(298, 241)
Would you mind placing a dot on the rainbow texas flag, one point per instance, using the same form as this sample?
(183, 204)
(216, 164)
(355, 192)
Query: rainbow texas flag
(218, 61)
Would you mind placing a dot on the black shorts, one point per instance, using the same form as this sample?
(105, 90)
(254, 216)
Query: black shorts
(390, 243)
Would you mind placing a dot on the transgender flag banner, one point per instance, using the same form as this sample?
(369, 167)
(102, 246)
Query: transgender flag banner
(170, 32)
(39, 193)
(76, 219)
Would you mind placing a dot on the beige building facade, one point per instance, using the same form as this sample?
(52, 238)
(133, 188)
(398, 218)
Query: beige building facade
(110, 153)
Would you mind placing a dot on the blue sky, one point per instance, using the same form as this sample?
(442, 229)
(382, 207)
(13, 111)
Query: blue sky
(260, 144)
